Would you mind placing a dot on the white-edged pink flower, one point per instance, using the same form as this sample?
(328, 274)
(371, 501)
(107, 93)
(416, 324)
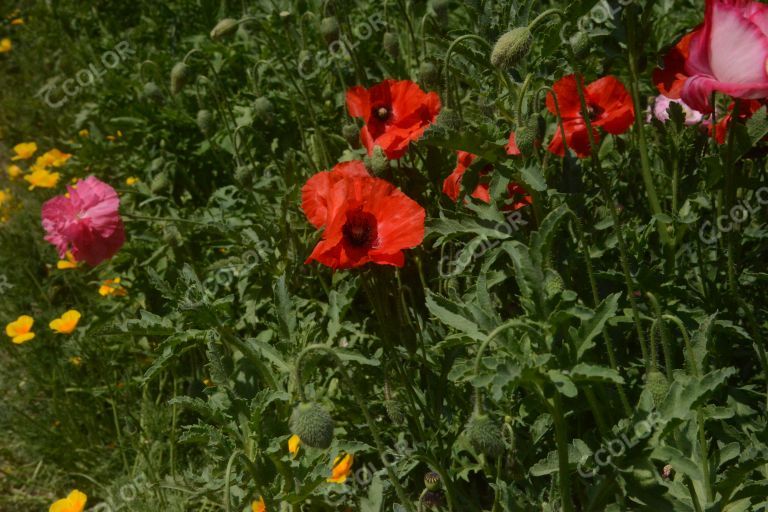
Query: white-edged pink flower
(660, 110)
(85, 221)
(728, 54)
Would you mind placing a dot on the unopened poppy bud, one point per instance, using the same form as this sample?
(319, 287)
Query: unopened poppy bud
(204, 121)
(313, 424)
(511, 48)
(179, 77)
(244, 175)
(152, 91)
(379, 161)
(351, 134)
(525, 140)
(263, 109)
(484, 436)
(429, 75)
(579, 44)
(553, 283)
(224, 28)
(395, 411)
(160, 182)
(449, 119)
(656, 382)
(391, 44)
(432, 481)
(329, 29)
(441, 7)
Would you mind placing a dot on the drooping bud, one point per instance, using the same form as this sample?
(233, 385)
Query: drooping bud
(429, 75)
(391, 44)
(152, 91)
(179, 77)
(656, 382)
(351, 134)
(511, 48)
(224, 28)
(432, 481)
(313, 424)
(204, 121)
(484, 435)
(263, 108)
(395, 411)
(379, 161)
(579, 44)
(329, 29)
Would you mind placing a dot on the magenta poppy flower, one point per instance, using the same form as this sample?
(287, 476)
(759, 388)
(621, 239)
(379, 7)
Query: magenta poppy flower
(728, 54)
(85, 221)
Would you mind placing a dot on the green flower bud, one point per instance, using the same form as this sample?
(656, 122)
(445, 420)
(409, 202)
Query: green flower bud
(152, 91)
(180, 75)
(656, 382)
(379, 161)
(391, 44)
(263, 108)
(432, 481)
(224, 28)
(553, 283)
(313, 424)
(395, 411)
(351, 134)
(511, 48)
(579, 44)
(329, 29)
(429, 75)
(484, 436)
(204, 121)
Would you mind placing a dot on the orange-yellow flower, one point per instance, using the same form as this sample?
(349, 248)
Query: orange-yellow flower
(54, 157)
(131, 181)
(75, 502)
(84, 133)
(20, 330)
(342, 466)
(5, 45)
(42, 178)
(259, 506)
(14, 171)
(17, 21)
(68, 262)
(76, 361)
(5, 204)
(293, 444)
(67, 323)
(112, 288)
(25, 150)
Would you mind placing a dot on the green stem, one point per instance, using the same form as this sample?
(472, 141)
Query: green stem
(561, 437)
(662, 334)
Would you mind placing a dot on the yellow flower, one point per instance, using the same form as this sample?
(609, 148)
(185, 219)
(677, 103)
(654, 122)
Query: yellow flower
(20, 331)
(84, 133)
(131, 181)
(342, 466)
(14, 171)
(42, 178)
(5, 204)
(17, 21)
(75, 502)
(207, 382)
(25, 150)
(54, 158)
(67, 323)
(112, 288)
(76, 361)
(259, 506)
(68, 262)
(293, 444)
(5, 45)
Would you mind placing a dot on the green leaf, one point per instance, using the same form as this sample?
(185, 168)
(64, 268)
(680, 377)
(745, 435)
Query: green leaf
(541, 240)
(563, 383)
(681, 463)
(375, 498)
(594, 327)
(285, 311)
(451, 315)
(588, 372)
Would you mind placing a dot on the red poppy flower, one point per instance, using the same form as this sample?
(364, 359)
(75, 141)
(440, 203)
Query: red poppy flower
(395, 114)
(747, 108)
(452, 184)
(671, 78)
(366, 219)
(511, 146)
(610, 108)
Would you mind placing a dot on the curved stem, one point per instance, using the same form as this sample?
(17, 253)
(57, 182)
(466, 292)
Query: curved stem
(543, 16)
(448, 54)
(688, 345)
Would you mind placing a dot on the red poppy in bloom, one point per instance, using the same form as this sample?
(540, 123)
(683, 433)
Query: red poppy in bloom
(747, 109)
(366, 219)
(452, 184)
(85, 221)
(671, 78)
(728, 54)
(609, 105)
(395, 114)
(511, 146)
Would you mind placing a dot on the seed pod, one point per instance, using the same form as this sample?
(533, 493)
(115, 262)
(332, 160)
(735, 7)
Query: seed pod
(391, 44)
(313, 424)
(484, 436)
(656, 382)
(579, 44)
(180, 75)
(204, 121)
(432, 481)
(511, 48)
(429, 75)
(433, 500)
(351, 134)
(379, 161)
(152, 91)
(329, 29)
(224, 28)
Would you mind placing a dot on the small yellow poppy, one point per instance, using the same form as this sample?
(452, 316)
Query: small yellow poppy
(84, 133)
(67, 323)
(293, 444)
(68, 262)
(76, 361)
(20, 330)
(14, 171)
(54, 157)
(259, 506)
(112, 288)
(5, 45)
(17, 21)
(42, 178)
(342, 466)
(25, 150)
(75, 502)
(131, 181)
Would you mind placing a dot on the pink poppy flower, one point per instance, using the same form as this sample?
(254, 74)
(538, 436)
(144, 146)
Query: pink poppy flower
(660, 110)
(728, 54)
(85, 221)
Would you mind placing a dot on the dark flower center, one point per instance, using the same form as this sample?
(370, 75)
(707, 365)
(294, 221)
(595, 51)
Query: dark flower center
(594, 111)
(382, 113)
(360, 229)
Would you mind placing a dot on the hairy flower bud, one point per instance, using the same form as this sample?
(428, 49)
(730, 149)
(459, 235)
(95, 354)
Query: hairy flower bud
(484, 436)
(262, 107)
(180, 75)
(224, 28)
(656, 382)
(429, 75)
(379, 161)
(511, 48)
(391, 44)
(204, 121)
(244, 175)
(329, 29)
(351, 134)
(395, 411)
(579, 44)
(313, 424)
(152, 91)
